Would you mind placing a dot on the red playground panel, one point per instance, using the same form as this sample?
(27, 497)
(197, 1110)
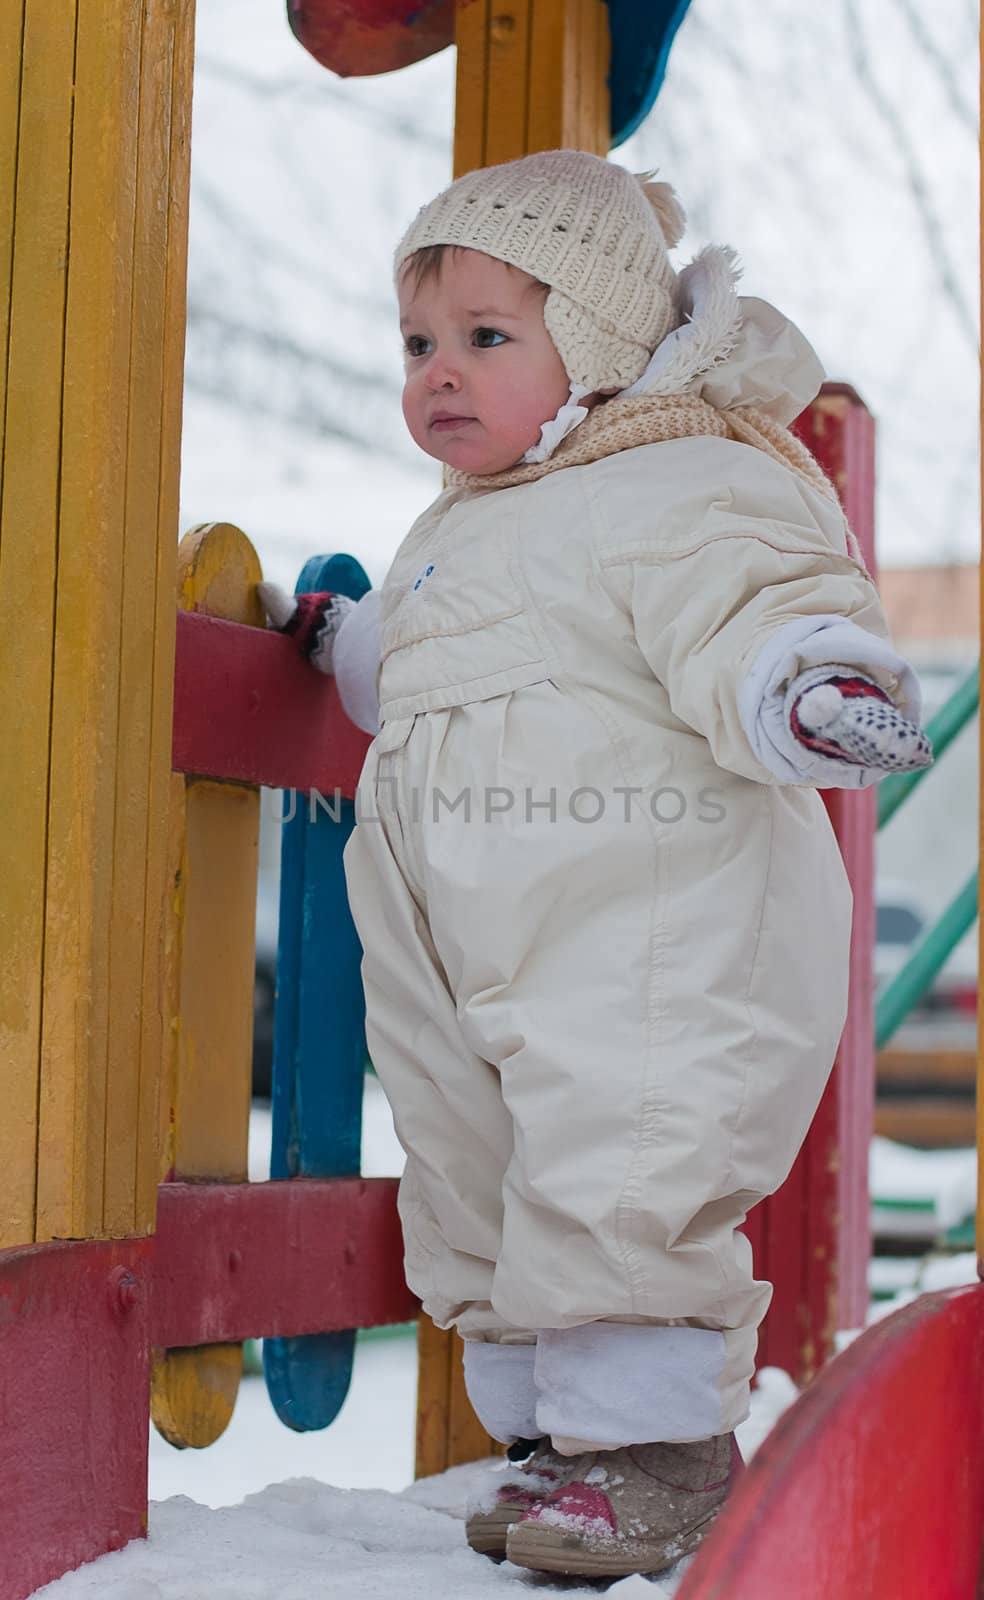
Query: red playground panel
(872, 1486)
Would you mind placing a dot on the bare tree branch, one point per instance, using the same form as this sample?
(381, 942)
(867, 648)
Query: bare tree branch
(403, 128)
(273, 375)
(916, 179)
(944, 68)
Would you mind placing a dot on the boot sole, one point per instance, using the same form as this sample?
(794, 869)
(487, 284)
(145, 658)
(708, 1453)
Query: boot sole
(545, 1549)
(489, 1538)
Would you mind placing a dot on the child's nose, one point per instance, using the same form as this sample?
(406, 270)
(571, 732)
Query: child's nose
(442, 374)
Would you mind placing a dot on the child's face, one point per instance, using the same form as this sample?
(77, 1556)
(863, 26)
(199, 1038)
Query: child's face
(476, 349)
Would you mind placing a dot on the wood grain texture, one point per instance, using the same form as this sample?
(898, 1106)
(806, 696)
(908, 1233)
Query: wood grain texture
(77, 1058)
(194, 1393)
(177, 47)
(35, 145)
(873, 1483)
(531, 75)
(214, 855)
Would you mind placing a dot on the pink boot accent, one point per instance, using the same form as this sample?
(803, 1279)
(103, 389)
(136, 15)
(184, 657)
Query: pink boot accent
(579, 1507)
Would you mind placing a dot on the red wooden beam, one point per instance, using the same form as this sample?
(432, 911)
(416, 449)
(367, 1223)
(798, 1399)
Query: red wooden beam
(249, 708)
(74, 1399)
(239, 1260)
(873, 1483)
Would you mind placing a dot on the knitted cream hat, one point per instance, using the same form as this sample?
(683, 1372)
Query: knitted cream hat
(595, 233)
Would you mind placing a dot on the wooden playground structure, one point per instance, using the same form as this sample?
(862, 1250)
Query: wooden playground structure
(142, 706)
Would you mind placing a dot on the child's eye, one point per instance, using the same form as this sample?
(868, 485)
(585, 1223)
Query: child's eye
(493, 333)
(411, 344)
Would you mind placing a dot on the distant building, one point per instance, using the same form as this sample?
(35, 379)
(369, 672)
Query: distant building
(934, 612)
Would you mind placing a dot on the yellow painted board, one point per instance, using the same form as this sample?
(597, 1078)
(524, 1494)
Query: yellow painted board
(507, 94)
(217, 973)
(137, 903)
(85, 691)
(35, 299)
(11, 53)
(159, 1004)
(471, 23)
(176, 868)
(193, 1393)
(552, 60)
(433, 1399)
(213, 854)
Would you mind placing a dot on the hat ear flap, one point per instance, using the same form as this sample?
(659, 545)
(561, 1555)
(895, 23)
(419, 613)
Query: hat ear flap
(593, 355)
(669, 212)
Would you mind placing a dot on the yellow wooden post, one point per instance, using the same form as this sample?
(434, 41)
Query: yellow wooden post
(531, 75)
(95, 104)
(209, 966)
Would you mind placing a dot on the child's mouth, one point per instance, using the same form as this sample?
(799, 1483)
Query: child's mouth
(448, 424)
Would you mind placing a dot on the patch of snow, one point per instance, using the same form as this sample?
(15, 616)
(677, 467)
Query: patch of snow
(930, 1189)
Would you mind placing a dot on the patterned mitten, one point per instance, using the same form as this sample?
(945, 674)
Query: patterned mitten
(311, 620)
(840, 712)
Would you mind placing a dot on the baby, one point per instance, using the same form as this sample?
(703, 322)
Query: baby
(604, 917)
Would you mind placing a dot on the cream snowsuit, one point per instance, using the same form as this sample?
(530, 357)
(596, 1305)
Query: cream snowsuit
(605, 947)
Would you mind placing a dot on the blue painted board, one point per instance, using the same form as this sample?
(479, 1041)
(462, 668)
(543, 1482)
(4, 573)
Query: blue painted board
(319, 1042)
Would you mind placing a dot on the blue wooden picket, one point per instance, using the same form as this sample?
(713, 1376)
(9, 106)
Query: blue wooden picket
(319, 1042)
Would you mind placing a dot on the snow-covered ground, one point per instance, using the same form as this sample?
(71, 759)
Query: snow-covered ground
(340, 1516)
(266, 1514)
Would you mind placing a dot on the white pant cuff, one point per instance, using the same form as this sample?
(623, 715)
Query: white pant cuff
(617, 1383)
(499, 1381)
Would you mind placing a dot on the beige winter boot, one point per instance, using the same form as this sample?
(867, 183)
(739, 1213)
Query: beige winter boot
(525, 1484)
(638, 1509)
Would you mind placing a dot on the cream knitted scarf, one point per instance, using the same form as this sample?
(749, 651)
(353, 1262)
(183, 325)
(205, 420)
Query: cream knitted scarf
(622, 424)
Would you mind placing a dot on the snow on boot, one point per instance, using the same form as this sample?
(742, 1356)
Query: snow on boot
(638, 1509)
(525, 1483)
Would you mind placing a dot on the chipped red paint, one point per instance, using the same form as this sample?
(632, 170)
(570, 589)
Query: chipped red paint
(355, 38)
(307, 1255)
(245, 704)
(873, 1484)
(74, 1398)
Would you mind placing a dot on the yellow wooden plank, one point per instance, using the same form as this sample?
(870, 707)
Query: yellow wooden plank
(471, 22)
(159, 1003)
(170, 974)
(217, 967)
(35, 298)
(551, 61)
(213, 852)
(508, 81)
(11, 55)
(137, 904)
(433, 1399)
(599, 64)
(193, 1393)
(85, 690)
